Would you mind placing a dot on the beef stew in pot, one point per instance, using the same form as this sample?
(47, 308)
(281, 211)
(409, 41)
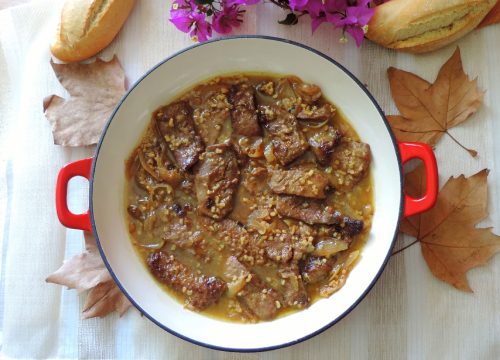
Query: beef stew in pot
(249, 197)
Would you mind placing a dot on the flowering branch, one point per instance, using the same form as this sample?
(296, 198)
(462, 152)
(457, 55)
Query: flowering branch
(352, 16)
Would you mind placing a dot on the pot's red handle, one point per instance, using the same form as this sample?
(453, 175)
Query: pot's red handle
(410, 150)
(67, 218)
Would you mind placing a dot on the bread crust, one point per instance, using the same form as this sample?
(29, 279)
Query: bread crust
(420, 26)
(87, 27)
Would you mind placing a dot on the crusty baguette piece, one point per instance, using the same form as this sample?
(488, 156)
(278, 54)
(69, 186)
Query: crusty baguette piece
(419, 26)
(87, 27)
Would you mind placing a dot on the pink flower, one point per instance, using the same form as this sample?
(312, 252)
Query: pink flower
(191, 22)
(181, 8)
(356, 18)
(317, 21)
(350, 15)
(333, 18)
(333, 6)
(181, 14)
(202, 30)
(183, 23)
(241, 2)
(224, 21)
(313, 7)
(294, 4)
(329, 11)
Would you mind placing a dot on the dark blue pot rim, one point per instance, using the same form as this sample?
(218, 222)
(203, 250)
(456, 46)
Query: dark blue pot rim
(319, 331)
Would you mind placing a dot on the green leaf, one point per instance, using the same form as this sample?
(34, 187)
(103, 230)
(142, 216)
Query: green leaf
(291, 19)
(209, 12)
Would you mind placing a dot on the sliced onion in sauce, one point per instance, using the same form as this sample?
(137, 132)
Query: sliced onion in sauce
(318, 126)
(329, 247)
(253, 148)
(258, 150)
(269, 154)
(334, 272)
(352, 257)
(147, 167)
(151, 246)
(235, 286)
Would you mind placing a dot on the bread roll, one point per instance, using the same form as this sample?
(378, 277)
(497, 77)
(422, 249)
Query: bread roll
(87, 27)
(419, 26)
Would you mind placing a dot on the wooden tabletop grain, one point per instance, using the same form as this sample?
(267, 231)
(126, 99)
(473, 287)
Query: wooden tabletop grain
(4, 4)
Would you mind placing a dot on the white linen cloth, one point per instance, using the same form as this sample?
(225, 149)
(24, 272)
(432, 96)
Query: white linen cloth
(409, 314)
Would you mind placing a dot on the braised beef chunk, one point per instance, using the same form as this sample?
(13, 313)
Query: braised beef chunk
(263, 301)
(279, 251)
(134, 211)
(286, 136)
(307, 210)
(278, 93)
(264, 305)
(243, 244)
(241, 155)
(310, 93)
(296, 182)
(351, 227)
(315, 269)
(179, 230)
(200, 291)
(216, 181)
(323, 144)
(256, 181)
(175, 123)
(280, 248)
(213, 112)
(350, 163)
(236, 275)
(295, 292)
(322, 113)
(244, 118)
(288, 244)
(303, 236)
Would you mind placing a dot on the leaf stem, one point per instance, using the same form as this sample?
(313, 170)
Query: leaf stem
(473, 153)
(283, 6)
(297, 18)
(405, 247)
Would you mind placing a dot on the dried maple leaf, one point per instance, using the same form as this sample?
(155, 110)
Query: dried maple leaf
(95, 89)
(105, 298)
(86, 271)
(451, 245)
(493, 17)
(429, 110)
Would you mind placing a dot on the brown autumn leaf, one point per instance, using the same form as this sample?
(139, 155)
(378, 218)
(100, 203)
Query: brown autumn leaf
(429, 110)
(105, 298)
(450, 242)
(492, 18)
(87, 271)
(95, 89)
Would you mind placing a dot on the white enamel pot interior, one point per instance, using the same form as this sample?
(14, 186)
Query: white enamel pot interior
(168, 80)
